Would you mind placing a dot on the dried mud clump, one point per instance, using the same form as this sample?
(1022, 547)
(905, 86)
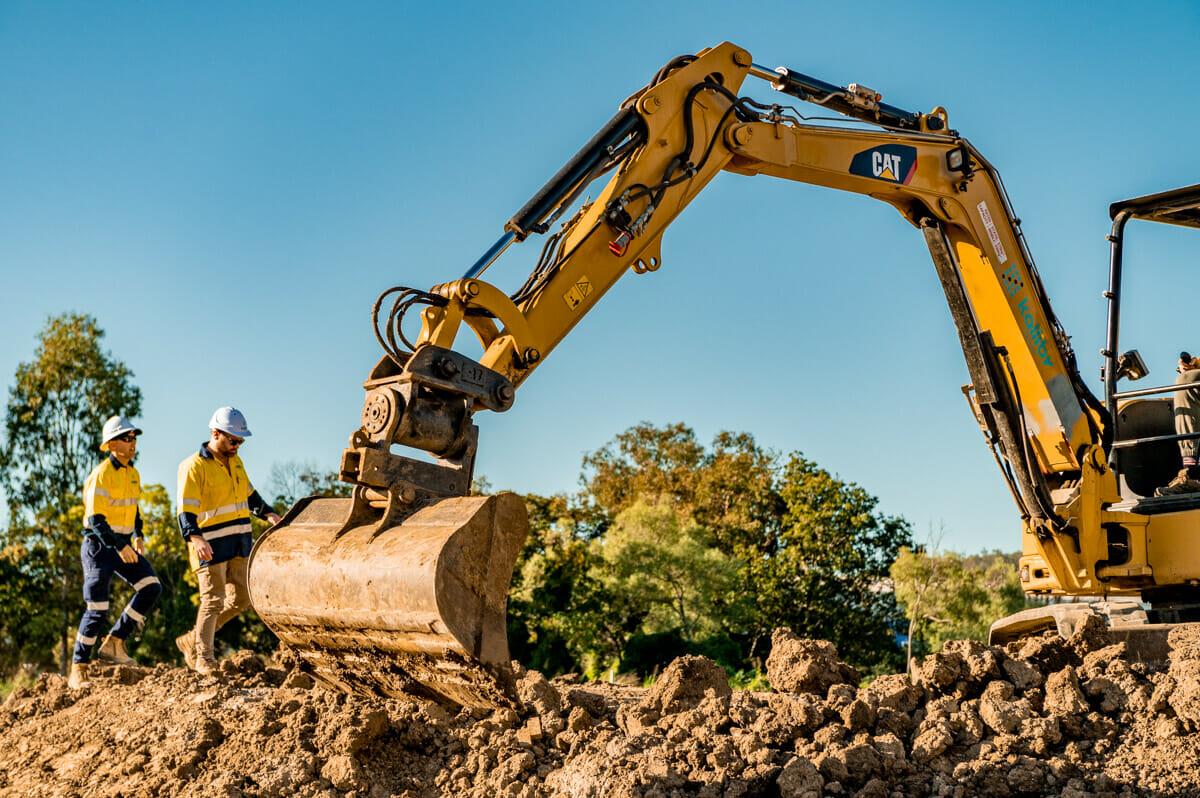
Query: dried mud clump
(805, 666)
(1077, 718)
(685, 683)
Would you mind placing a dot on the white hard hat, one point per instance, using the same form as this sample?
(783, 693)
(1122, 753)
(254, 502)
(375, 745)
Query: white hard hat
(115, 427)
(230, 421)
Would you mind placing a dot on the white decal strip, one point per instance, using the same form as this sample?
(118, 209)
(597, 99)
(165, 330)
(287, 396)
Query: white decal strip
(993, 234)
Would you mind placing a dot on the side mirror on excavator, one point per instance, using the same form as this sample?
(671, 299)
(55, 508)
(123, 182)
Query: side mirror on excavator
(1131, 365)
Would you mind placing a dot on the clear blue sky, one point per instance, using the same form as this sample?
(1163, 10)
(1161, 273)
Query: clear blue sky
(226, 187)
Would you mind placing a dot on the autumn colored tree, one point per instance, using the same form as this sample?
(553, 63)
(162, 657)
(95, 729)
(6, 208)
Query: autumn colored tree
(57, 405)
(645, 461)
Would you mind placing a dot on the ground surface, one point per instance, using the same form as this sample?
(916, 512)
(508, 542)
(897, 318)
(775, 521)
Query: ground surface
(1065, 718)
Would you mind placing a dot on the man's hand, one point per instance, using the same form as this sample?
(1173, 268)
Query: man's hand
(139, 545)
(201, 547)
(273, 518)
(128, 555)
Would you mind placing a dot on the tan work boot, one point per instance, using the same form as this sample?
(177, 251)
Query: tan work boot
(186, 643)
(1182, 483)
(79, 676)
(207, 667)
(113, 650)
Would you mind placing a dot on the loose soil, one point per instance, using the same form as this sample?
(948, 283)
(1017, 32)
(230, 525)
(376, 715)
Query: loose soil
(1050, 717)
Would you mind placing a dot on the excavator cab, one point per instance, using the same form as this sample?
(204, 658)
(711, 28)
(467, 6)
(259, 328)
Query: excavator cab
(1145, 452)
(1141, 608)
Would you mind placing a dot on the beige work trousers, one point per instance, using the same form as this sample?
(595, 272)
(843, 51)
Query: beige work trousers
(1187, 413)
(223, 595)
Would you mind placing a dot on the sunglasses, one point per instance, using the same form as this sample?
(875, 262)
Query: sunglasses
(232, 440)
(128, 437)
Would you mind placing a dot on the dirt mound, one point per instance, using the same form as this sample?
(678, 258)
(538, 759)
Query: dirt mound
(1064, 718)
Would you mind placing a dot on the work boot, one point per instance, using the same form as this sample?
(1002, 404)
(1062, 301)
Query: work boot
(186, 643)
(113, 650)
(79, 676)
(1182, 483)
(207, 667)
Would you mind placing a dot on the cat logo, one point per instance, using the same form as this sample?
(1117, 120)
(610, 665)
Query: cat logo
(895, 163)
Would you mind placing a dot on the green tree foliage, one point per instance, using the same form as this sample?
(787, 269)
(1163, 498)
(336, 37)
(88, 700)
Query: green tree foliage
(948, 597)
(559, 616)
(828, 577)
(28, 633)
(662, 566)
(645, 461)
(671, 589)
(730, 490)
(56, 408)
(698, 549)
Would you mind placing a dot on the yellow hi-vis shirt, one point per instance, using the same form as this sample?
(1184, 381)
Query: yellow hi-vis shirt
(215, 503)
(110, 503)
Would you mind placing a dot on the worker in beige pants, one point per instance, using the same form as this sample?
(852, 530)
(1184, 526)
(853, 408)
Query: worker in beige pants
(215, 503)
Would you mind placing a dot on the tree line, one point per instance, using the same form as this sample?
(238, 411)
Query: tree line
(669, 547)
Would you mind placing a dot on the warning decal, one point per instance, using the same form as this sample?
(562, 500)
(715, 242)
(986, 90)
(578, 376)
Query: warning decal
(578, 292)
(993, 234)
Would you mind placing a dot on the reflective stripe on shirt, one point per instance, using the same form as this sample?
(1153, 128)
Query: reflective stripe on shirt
(226, 531)
(225, 510)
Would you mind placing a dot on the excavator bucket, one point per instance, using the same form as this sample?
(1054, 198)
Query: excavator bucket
(414, 608)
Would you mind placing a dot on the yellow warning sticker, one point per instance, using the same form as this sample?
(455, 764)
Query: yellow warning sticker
(578, 292)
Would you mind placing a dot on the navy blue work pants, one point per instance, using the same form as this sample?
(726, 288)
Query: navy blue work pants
(99, 565)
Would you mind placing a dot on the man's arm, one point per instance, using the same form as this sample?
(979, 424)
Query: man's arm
(190, 486)
(95, 511)
(260, 508)
(96, 499)
(139, 535)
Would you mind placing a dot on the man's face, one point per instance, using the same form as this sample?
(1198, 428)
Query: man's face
(224, 444)
(124, 447)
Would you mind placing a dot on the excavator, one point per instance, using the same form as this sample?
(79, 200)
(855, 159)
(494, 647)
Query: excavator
(401, 588)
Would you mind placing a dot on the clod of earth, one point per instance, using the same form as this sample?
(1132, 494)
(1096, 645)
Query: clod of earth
(1068, 718)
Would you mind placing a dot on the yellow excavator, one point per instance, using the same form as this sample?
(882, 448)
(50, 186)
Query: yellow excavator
(401, 589)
